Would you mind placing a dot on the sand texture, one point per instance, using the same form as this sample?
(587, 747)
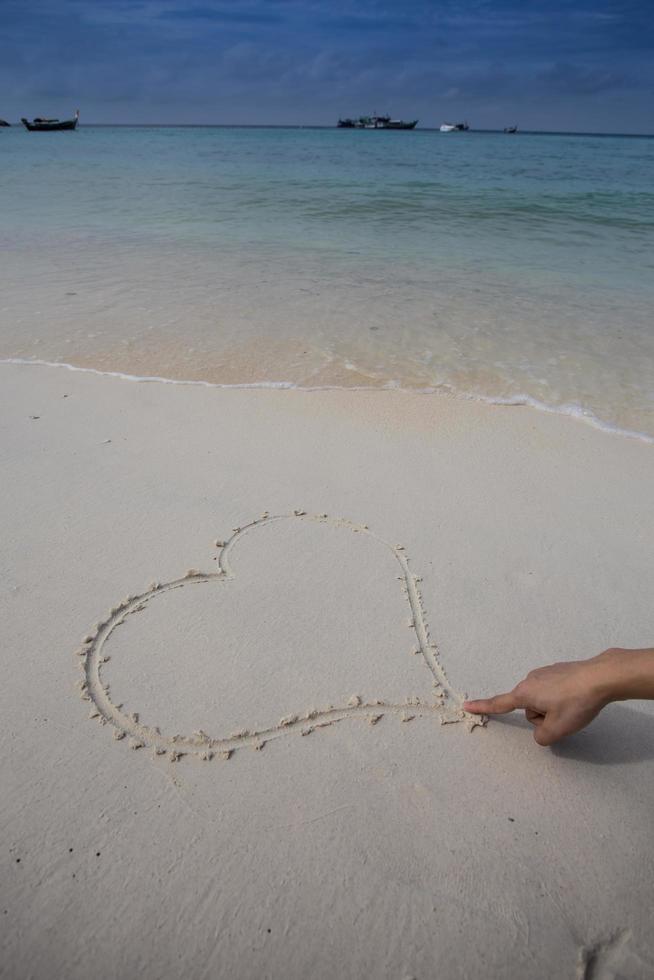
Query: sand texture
(237, 630)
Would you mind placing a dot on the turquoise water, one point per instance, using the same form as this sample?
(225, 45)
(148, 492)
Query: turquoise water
(506, 267)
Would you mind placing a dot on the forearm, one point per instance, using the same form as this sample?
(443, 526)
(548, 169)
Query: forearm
(625, 674)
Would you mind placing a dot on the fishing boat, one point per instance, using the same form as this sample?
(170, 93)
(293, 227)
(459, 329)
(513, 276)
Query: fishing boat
(461, 127)
(510, 129)
(401, 124)
(376, 122)
(39, 125)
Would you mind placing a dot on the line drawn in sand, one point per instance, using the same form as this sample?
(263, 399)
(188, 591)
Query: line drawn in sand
(446, 705)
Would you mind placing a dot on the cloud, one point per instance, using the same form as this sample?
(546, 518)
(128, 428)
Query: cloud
(311, 60)
(573, 80)
(253, 15)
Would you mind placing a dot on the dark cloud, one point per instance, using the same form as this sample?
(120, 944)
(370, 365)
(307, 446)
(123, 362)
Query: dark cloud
(577, 64)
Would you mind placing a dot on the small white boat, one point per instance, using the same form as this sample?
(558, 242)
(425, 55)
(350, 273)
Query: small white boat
(461, 127)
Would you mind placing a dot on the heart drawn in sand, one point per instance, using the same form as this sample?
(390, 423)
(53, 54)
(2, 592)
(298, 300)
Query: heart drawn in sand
(445, 704)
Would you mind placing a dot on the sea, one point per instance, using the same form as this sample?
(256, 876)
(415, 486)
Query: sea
(508, 268)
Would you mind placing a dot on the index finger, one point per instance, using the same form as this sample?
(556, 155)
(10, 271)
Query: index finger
(501, 704)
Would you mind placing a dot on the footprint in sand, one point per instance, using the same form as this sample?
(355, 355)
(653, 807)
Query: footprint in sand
(613, 957)
(443, 702)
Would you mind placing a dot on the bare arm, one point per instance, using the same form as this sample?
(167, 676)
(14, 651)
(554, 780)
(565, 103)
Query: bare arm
(563, 698)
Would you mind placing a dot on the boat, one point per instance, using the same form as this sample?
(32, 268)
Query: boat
(3, 122)
(400, 124)
(510, 129)
(376, 122)
(461, 127)
(39, 125)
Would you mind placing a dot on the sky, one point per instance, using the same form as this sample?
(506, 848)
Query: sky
(576, 65)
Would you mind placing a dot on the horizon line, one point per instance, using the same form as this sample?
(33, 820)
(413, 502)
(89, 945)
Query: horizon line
(328, 126)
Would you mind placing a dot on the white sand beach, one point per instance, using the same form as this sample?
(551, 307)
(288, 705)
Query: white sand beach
(238, 626)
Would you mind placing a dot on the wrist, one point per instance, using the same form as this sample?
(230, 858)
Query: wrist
(621, 674)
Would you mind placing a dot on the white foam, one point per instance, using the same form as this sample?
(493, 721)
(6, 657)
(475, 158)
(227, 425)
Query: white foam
(145, 377)
(571, 410)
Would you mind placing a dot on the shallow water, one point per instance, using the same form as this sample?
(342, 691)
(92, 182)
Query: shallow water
(510, 268)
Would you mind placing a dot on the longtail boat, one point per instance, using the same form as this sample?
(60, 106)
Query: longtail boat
(39, 125)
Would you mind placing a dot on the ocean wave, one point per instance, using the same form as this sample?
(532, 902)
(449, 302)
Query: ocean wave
(570, 410)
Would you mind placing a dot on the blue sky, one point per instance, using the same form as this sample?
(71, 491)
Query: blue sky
(545, 64)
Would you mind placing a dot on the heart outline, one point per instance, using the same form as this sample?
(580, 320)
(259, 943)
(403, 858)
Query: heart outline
(447, 705)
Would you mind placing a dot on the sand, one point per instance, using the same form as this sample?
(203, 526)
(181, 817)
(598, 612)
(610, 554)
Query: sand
(238, 626)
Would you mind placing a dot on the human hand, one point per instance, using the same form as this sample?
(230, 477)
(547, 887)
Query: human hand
(558, 700)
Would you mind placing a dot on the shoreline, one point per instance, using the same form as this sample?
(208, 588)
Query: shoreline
(573, 411)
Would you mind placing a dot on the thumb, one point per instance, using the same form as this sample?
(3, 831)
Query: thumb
(549, 730)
